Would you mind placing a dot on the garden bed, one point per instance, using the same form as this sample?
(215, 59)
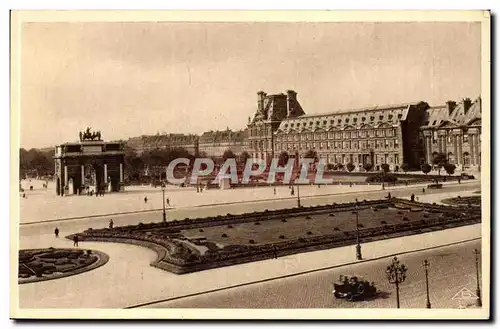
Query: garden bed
(47, 264)
(233, 239)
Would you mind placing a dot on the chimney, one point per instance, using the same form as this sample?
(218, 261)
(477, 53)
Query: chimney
(451, 106)
(291, 97)
(467, 105)
(260, 100)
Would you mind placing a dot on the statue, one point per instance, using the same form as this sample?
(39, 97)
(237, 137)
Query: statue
(87, 135)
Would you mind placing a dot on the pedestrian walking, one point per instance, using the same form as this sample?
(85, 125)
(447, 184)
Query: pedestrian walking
(459, 182)
(56, 232)
(274, 190)
(275, 251)
(292, 192)
(111, 223)
(75, 241)
(412, 198)
(145, 199)
(168, 202)
(389, 195)
(24, 195)
(423, 190)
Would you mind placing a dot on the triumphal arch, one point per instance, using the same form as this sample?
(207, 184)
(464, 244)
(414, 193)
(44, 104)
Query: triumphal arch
(89, 166)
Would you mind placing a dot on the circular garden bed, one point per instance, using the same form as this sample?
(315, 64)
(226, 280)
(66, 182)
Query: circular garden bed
(47, 264)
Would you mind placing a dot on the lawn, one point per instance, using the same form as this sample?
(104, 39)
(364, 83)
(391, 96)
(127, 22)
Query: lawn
(294, 227)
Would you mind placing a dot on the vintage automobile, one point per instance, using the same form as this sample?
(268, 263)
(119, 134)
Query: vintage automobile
(353, 288)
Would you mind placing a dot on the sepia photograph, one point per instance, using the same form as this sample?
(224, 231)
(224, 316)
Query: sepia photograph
(250, 165)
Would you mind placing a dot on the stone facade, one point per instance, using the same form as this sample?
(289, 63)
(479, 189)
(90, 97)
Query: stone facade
(271, 111)
(215, 143)
(455, 130)
(148, 143)
(90, 165)
(386, 134)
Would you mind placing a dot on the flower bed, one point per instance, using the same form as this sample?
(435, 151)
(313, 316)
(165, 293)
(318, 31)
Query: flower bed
(48, 264)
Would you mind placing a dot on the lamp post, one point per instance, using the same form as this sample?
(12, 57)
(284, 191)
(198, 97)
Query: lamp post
(396, 274)
(478, 290)
(163, 187)
(298, 175)
(426, 267)
(358, 246)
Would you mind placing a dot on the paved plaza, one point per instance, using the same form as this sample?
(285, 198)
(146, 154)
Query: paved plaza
(43, 204)
(128, 280)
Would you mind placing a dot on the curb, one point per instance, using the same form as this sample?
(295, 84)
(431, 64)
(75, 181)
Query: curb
(218, 204)
(297, 274)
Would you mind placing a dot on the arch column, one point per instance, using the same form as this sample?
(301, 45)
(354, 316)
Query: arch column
(459, 153)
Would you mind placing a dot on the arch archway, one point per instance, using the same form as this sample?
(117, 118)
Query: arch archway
(451, 158)
(466, 157)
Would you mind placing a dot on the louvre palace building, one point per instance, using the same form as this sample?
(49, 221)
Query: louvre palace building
(392, 134)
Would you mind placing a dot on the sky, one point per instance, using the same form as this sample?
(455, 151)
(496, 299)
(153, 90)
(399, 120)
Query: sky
(135, 78)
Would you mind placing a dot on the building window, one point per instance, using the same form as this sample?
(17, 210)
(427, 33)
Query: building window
(324, 122)
(363, 119)
(466, 138)
(339, 121)
(390, 116)
(347, 120)
(372, 118)
(355, 120)
(400, 116)
(396, 158)
(381, 117)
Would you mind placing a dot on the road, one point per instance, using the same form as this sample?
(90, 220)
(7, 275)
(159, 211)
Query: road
(77, 225)
(452, 268)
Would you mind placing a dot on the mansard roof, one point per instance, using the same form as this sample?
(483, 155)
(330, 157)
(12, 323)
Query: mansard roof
(371, 117)
(222, 136)
(442, 117)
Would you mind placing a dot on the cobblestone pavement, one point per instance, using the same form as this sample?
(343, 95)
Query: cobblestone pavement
(451, 269)
(43, 205)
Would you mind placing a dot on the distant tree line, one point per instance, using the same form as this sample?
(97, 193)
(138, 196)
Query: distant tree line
(36, 162)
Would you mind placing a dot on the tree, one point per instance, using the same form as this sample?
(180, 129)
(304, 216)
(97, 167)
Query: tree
(426, 168)
(283, 158)
(228, 154)
(244, 156)
(385, 168)
(368, 166)
(350, 167)
(405, 167)
(439, 160)
(450, 168)
(311, 154)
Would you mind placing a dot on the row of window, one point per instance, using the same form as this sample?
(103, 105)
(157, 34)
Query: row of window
(360, 159)
(377, 144)
(450, 137)
(338, 135)
(339, 121)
